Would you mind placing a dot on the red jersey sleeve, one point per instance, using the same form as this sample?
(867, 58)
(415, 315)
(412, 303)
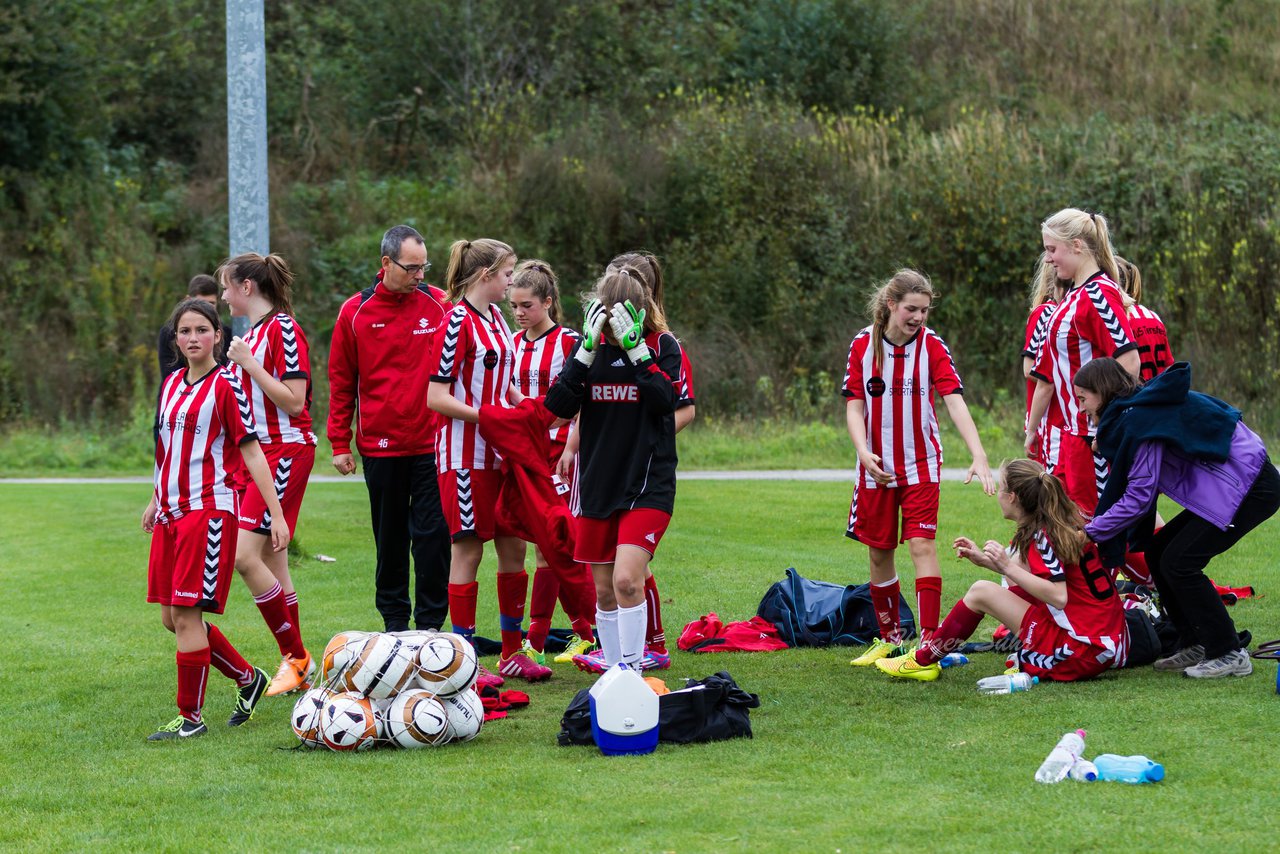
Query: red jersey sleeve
(291, 355)
(1037, 328)
(451, 346)
(942, 368)
(1043, 561)
(686, 380)
(342, 378)
(854, 385)
(1107, 326)
(234, 410)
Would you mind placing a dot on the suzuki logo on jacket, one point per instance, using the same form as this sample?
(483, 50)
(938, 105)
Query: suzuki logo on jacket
(615, 393)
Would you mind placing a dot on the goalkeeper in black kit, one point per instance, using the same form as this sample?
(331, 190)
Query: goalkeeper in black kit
(623, 379)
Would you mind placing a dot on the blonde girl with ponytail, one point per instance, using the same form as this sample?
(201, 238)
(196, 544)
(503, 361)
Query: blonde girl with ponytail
(1089, 321)
(896, 367)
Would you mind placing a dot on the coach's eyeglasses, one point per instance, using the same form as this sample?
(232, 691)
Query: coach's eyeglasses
(412, 269)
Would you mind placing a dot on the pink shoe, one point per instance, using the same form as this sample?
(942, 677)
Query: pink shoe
(592, 662)
(524, 667)
(485, 679)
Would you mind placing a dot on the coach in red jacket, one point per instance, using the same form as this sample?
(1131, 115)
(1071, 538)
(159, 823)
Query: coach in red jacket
(378, 373)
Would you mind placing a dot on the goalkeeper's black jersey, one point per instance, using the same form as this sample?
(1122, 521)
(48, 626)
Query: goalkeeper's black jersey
(627, 455)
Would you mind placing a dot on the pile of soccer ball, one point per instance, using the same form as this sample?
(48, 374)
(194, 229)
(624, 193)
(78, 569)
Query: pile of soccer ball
(406, 689)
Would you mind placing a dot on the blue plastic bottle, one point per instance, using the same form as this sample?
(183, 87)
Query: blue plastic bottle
(954, 659)
(1128, 769)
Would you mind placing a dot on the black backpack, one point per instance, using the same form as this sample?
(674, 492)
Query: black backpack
(819, 613)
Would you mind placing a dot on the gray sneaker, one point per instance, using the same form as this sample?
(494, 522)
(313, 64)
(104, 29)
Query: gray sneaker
(1234, 663)
(1182, 659)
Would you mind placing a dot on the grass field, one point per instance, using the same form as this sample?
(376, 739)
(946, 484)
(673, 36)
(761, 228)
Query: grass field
(842, 759)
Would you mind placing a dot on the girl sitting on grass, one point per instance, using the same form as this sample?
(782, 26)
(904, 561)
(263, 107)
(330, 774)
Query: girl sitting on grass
(1062, 606)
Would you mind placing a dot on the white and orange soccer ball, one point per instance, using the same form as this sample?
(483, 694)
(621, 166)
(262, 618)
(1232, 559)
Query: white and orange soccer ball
(384, 666)
(466, 715)
(414, 718)
(340, 652)
(305, 718)
(447, 665)
(347, 722)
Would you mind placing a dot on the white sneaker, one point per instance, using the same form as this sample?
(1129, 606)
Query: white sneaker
(1234, 663)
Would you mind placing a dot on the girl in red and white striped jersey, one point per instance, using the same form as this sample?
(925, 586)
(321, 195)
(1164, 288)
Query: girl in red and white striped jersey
(205, 434)
(1090, 321)
(273, 364)
(896, 365)
(473, 365)
(1061, 603)
(541, 346)
(624, 382)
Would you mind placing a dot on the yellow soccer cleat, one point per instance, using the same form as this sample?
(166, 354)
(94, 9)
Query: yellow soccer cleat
(577, 646)
(879, 649)
(905, 667)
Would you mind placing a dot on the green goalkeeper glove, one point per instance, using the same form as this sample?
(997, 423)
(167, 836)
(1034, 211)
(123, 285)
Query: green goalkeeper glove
(592, 328)
(628, 330)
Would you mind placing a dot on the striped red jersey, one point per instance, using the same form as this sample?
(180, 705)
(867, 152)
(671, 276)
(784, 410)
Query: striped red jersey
(1094, 613)
(539, 362)
(200, 429)
(1152, 339)
(280, 346)
(1089, 323)
(474, 355)
(902, 427)
(1037, 328)
(684, 386)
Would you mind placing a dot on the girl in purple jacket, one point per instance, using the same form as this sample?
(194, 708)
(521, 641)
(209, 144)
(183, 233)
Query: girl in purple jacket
(1163, 438)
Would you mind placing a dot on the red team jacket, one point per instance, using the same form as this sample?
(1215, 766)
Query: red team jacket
(379, 371)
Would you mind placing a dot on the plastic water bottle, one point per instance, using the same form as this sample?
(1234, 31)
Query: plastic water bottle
(1007, 684)
(1083, 771)
(1057, 765)
(1128, 769)
(954, 659)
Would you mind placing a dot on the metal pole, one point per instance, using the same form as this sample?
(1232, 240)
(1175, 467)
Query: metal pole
(247, 204)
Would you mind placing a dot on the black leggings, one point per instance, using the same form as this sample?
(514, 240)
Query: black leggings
(1179, 553)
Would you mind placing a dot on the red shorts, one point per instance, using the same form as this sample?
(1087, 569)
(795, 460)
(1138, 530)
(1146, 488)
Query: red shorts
(1079, 471)
(469, 499)
(873, 514)
(192, 560)
(597, 540)
(1050, 652)
(290, 465)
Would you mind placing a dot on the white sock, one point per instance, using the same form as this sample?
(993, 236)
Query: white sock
(607, 629)
(632, 623)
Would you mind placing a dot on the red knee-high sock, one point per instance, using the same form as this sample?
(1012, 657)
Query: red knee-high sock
(956, 629)
(542, 605)
(1135, 566)
(654, 636)
(462, 608)
(885, 598)
(275, 611)
(512, 589)
(291, 602)
(193, 675)
(928, 605)
(578, 598)
(226, 658)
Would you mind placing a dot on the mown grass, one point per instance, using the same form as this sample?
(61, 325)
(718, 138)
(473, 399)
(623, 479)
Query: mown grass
(841, 759)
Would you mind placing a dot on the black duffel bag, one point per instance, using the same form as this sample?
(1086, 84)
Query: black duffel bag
(710, 709)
